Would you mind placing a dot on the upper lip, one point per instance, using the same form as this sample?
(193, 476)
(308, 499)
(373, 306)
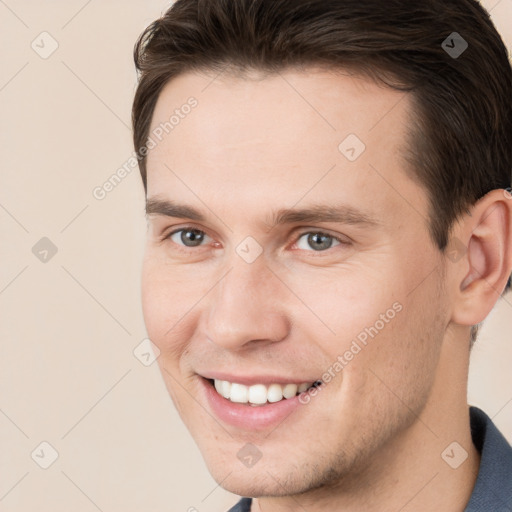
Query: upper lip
(249, 380)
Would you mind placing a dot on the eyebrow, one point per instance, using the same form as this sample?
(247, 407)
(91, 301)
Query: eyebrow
(172, 209)
(343, 214)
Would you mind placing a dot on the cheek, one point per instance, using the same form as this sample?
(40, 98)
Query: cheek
(388, 338)
(343, 304)
(400, 361)
(167, 305)
(154, 301)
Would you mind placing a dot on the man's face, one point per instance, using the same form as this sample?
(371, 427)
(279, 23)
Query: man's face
(250, 293)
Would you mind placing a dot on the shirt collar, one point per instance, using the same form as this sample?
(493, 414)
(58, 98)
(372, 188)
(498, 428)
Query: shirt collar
(493, 487)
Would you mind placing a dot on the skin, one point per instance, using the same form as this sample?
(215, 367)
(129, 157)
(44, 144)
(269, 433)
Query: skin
(372, 438)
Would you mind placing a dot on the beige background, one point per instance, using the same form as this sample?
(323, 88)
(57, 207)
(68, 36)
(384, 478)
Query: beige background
(68, 375)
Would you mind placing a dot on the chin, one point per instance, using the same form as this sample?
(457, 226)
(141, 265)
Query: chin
(259, 483)
(271, 477)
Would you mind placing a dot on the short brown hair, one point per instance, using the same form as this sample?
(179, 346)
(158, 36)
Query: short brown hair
(462, 137)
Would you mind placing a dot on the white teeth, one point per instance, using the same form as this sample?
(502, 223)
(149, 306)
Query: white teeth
(258, 394)
(225, 389)
(275, 393)
(290, 390)
(239, 393)
(303, 387)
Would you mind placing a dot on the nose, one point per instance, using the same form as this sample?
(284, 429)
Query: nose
(247, 306)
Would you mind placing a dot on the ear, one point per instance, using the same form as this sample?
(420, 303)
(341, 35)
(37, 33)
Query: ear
(481, 250)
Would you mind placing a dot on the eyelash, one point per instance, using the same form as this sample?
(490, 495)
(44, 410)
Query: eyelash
(297, 238)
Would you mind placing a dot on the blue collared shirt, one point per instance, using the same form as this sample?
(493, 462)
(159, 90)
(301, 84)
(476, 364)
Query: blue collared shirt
(493, 487)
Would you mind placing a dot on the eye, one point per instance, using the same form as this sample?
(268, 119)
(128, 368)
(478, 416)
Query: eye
(188, 237)
(317, 241)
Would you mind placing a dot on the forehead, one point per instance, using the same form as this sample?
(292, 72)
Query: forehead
(297, 134)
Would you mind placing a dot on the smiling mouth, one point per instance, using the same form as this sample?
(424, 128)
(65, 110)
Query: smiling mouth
(260, 394)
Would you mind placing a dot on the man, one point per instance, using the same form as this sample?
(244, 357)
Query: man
(329, 221)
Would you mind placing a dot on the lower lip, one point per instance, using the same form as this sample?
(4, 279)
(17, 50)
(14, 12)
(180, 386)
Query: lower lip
(247, 417)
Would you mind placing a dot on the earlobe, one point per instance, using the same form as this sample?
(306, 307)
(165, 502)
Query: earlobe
(489, 257)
